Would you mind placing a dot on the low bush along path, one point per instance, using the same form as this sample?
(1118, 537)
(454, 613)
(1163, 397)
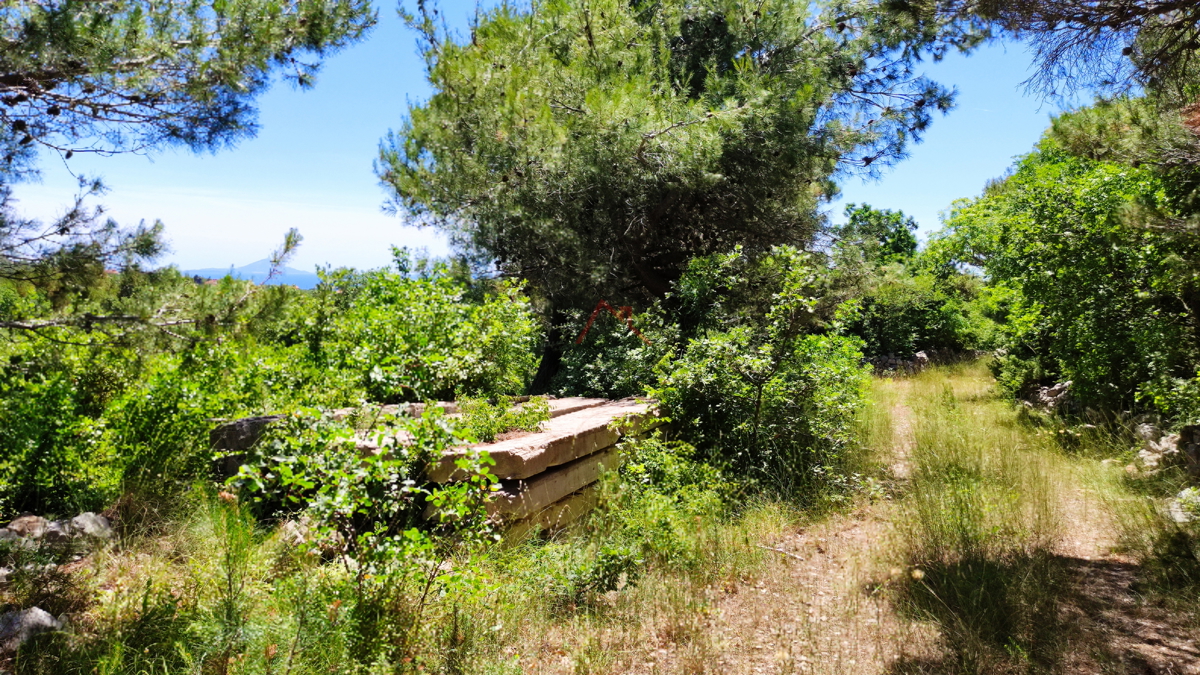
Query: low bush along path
(985, 548)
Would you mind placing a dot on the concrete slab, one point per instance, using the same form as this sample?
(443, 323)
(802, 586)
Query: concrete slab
(541, 491)
(556, 516)
(563, 439)
(566, 406)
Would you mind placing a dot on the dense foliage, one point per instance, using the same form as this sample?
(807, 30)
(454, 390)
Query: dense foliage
(760, 388)
(745, 357)
(1097, 299)
(124, 76)
(881, 235)
(86, 415)
(413, 335)
(903, 311)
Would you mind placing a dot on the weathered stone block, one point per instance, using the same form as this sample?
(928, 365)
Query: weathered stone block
(533, 495)
(29, 526)
(562, 440)
(558, 515)
(18, 626)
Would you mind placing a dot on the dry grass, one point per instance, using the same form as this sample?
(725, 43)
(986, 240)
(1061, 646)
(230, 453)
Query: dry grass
(994, 553)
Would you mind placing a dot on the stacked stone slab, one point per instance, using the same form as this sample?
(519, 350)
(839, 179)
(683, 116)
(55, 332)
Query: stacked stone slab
(233, 438)
(548, 477)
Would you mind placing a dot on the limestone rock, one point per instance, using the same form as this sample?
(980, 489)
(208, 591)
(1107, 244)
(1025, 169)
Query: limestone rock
(234, 438)
(1188, 446)
(18, 626)
(295, 532)
(556, 516)
(539, 492)
(1147, 432)
(1160, 453)
(1052, 398)
(58, 532)
(562, 439)
(91, 526)
(1186, 505)
(29, 526)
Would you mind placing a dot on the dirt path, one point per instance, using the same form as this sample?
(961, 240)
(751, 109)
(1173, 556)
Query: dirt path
(1120, 631)
(823, 607)
(818, 608)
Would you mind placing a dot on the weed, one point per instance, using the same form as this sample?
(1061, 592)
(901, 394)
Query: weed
(484, 420)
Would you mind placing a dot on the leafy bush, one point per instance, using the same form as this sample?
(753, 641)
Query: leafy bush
(611, 361)
(370, 507)
(54, 456)
(664, 491)
(411, 334)
(902, 313)
(88, 414)
(757, 391)
(610, 568)
(1098, 300)
(310, 461)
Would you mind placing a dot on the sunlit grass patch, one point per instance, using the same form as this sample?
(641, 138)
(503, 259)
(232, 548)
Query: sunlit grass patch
(1163, 540)
(979, 526)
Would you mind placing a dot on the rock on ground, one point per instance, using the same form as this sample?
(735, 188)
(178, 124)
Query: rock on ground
(18, 626)
(92, 526)
(29, 526)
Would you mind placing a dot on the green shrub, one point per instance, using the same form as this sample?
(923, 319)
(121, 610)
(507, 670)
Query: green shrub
(902, 313)
(310, 461)
(612, 361)
(483, 420)
(1097, 298)
(53, 457)
(758, 391)
(415, 337)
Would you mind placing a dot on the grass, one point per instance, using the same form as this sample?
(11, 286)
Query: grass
(202, 587)
(969, 563)
(1026, 549)
(978, 528)
(217, 593)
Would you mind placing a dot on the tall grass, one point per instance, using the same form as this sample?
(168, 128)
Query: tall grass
(219, 594)
(979, 526)
(1167, 549)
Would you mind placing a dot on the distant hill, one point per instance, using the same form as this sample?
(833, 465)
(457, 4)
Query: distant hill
(257, 271)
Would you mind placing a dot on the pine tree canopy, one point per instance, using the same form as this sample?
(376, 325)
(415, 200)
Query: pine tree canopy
(1110, 46)
(594, 146)
(109, 76)
(119, 75)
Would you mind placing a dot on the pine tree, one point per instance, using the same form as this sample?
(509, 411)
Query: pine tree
(593, 147)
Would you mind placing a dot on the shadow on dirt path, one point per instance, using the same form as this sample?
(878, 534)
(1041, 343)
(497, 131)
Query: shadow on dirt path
(825, 605)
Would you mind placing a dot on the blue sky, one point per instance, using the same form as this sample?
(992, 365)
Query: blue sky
(310, 166)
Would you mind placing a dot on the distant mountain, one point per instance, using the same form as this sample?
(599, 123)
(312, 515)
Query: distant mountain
(257, 271)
